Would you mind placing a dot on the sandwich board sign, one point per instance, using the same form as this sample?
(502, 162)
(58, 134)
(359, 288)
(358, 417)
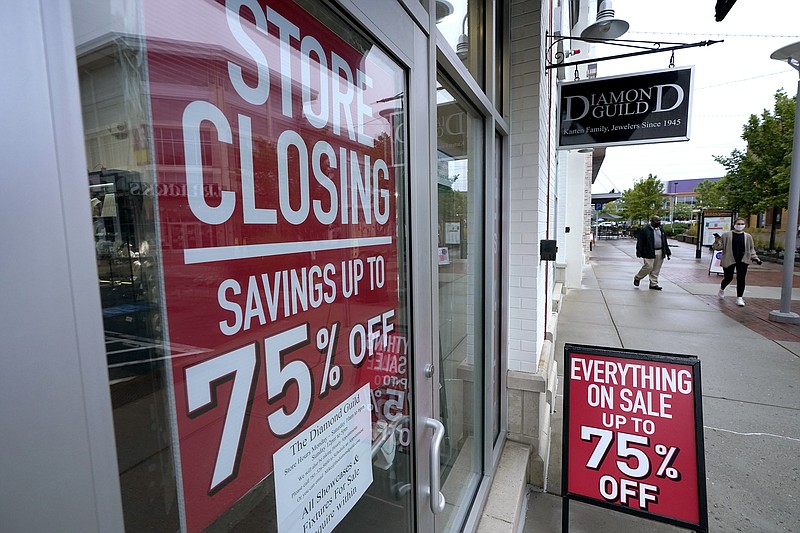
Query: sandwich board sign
(633, 435)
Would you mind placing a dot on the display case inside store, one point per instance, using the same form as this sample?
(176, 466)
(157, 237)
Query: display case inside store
(125, 271)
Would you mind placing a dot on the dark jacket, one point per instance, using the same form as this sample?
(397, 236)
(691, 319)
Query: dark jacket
(645, 246)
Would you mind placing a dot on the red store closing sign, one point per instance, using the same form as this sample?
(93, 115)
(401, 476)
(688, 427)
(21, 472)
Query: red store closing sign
(279, 286)
(633, 434)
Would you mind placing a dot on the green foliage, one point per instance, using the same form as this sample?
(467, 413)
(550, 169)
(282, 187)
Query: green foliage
(762, 238)
(711, 195)
(681, 212)
(675, 229)
(645, 199)
(757, 179)
(453, 205)
(617, 207)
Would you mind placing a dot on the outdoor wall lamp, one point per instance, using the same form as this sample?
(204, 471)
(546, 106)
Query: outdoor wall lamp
(462, 48)
(606, 26)
(443, 9)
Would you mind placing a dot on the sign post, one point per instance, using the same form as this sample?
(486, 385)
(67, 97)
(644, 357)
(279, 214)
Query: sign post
(633, 435)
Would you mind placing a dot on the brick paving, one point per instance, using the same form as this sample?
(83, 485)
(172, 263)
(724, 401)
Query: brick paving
(755, 314)
(767, 275)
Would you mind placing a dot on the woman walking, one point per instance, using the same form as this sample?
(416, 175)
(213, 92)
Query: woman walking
(735, 245)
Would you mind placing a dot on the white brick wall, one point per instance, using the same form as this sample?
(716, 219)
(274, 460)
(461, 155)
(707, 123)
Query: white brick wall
(529, 179)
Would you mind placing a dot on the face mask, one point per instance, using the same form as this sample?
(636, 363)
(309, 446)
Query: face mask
(739, 227)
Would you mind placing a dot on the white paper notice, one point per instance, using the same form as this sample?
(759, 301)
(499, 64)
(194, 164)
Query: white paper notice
(324, 471)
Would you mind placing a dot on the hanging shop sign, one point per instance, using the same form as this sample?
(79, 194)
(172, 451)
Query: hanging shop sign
(647, 107)
(633, 434)
(274, 144)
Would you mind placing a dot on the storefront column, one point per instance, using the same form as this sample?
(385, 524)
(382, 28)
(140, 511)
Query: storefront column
(59, 468)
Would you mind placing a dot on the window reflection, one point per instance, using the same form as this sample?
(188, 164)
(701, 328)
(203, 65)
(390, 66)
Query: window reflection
(121, 187)
(461, 253)
(162, 313)
(461, 22)
(500, 40)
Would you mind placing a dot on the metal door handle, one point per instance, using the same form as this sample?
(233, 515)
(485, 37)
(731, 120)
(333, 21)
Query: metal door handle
(437, 498)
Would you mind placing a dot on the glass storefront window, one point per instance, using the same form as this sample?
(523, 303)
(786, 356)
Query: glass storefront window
(460, 200)
(247, 174)
(500, 39)
(497, 287)
(462, 23)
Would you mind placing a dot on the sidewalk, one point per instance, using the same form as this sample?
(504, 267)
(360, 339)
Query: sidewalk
(751, 383)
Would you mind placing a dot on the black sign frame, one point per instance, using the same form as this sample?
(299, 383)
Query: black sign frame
(641, 355)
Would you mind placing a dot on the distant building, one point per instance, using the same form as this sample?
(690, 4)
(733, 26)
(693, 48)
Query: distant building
(683, 191)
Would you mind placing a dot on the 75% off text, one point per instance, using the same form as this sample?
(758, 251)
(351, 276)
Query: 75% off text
(634, 465)
(284, 368)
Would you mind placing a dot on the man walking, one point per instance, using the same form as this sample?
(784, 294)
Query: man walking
(651, 246)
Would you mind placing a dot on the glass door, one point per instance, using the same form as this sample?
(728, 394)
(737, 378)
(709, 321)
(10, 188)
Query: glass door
(251, 193)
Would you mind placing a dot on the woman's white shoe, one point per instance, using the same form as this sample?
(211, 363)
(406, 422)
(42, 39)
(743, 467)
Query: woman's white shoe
(740, 302)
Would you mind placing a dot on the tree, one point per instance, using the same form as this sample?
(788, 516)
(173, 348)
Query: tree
(681, 212)
(616, 208)
(757, 179)
(711, 195)
(645, 199)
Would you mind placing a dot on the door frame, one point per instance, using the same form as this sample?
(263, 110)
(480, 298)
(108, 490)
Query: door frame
(56, 376)
(408, 39)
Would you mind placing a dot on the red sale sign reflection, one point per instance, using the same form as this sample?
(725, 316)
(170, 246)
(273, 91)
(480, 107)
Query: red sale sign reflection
(387, 371)
(632, 424)
(275, 153)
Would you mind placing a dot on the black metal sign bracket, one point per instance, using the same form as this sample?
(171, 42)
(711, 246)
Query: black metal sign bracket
(643, 48)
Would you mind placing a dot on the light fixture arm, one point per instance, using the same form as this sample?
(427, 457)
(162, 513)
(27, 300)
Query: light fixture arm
(653, 48)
